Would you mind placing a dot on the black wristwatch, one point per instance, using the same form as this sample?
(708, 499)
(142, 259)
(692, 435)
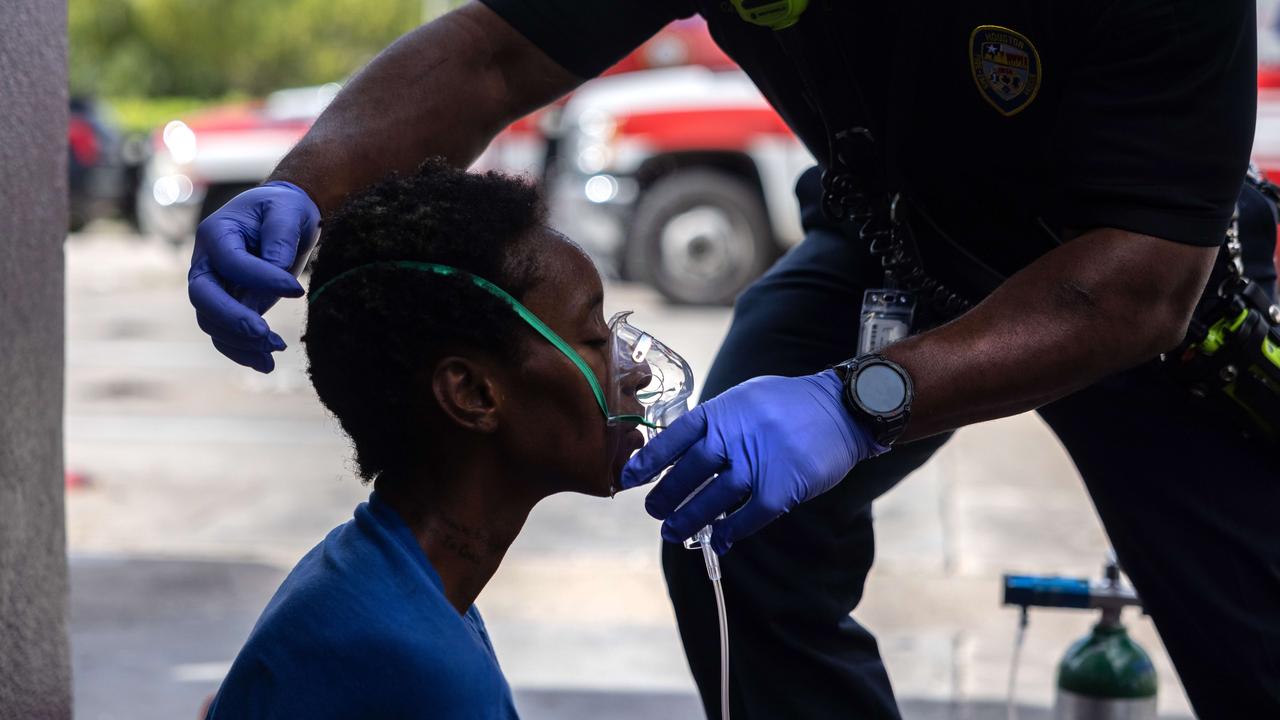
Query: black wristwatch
(878, 392)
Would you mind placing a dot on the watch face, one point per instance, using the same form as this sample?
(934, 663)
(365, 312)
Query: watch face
(880, 389)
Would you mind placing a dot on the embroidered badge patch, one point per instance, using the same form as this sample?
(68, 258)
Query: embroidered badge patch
(1005, 66)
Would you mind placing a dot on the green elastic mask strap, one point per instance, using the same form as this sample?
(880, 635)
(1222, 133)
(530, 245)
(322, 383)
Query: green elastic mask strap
(525, 314)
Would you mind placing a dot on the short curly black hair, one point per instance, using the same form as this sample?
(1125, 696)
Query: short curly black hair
(371, 331)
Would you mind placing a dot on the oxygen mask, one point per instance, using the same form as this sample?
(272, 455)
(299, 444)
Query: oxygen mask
(647, 386)
(649, 383)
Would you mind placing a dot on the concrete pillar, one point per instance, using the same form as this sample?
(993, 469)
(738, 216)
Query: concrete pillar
(35, 672)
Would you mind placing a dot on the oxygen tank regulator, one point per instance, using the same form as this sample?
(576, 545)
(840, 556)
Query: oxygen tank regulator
(1105, 674)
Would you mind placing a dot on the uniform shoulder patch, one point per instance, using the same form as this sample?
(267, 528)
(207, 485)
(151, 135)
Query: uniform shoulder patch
(1006, 67)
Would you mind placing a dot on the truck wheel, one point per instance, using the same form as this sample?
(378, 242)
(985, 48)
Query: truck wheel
(700, 237)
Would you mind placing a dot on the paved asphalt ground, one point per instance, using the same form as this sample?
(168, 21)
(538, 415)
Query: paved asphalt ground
(205, 482)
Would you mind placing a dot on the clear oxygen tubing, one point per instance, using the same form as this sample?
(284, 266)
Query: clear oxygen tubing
(702, 541)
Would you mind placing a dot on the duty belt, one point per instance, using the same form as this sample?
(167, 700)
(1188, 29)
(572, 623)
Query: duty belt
(1230, 359)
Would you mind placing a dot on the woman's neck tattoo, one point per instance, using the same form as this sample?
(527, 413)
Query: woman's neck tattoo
(472, 544)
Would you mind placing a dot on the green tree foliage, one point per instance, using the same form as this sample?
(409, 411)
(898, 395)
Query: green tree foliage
(209, 48)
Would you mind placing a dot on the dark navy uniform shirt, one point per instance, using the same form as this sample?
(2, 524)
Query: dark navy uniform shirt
(1004, 118)
(361, 628)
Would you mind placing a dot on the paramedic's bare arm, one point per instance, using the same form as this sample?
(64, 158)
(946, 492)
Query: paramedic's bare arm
(1104, 302)
(445, 88)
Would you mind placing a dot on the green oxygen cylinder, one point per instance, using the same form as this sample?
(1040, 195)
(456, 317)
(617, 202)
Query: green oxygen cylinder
(1106, 676)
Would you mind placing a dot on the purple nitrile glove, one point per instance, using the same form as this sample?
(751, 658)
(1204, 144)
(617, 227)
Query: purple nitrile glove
(242, 265)
(774, 442)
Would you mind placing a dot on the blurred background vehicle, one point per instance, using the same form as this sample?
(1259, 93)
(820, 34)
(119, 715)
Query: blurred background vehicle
(681, 178)
(97, 176)
(1266, 142)
(1266, 138)
(200, 162)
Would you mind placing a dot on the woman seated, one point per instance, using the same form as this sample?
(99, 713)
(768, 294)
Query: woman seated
(461, 344)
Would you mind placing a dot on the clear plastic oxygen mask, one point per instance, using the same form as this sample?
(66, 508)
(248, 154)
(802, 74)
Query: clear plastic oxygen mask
(646, 387)
(645, 374)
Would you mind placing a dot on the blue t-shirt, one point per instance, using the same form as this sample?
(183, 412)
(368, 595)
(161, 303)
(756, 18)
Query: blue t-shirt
(361, 629)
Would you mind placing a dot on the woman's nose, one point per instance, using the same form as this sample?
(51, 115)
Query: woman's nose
(640, 377)
(631, 381)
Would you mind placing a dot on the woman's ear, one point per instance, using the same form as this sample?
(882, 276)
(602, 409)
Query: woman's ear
(467, 393)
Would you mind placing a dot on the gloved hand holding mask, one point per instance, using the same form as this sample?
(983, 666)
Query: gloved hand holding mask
(771, 442)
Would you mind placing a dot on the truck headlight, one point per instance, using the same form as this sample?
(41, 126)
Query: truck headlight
(170, 189)
(180, 140)
(601, 188)
(594, 157)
